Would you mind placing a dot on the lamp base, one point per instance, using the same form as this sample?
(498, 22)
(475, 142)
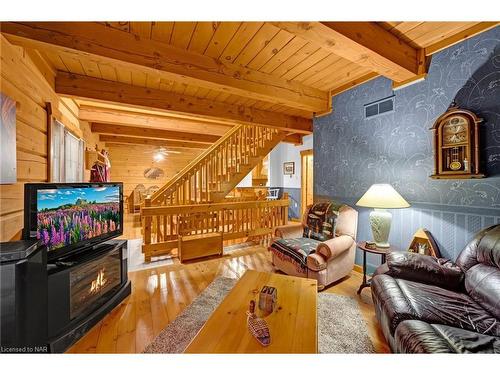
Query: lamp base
(380, 221)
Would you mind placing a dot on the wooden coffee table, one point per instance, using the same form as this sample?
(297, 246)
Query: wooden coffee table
(293, 324)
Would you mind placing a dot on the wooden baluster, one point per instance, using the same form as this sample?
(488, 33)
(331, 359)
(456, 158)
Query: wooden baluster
(237, 219)
(159, 234)
(195, 185)
(200, 184)
(206, 181)
(147, 231)
(217, 221)
(242, 144)
(226, 160)
(254, 140)
(233, 154)
(219, 166)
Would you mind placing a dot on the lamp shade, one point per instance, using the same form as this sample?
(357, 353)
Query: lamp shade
(382, 196)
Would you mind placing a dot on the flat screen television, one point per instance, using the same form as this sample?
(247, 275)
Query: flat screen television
(72, 217)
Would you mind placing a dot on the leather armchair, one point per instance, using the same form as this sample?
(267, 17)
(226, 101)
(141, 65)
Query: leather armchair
(427, 305)
(326, 261)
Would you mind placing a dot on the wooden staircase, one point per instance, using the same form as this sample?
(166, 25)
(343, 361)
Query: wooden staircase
(214, 173)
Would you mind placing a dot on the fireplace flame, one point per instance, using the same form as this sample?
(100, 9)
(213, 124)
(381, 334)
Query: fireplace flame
(99, 282)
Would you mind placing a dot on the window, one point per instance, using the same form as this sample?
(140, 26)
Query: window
(67, 155)
(73, 158)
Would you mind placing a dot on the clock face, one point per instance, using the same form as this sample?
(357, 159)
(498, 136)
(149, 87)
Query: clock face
(455, 130)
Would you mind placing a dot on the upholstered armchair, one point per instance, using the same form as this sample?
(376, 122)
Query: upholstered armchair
(322, 247)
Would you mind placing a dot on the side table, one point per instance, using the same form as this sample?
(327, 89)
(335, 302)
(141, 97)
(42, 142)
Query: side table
(379, 250)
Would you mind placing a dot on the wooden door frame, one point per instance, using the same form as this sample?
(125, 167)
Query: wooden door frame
(302, 176)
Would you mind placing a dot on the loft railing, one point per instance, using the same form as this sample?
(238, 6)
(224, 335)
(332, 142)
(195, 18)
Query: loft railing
(162, 225)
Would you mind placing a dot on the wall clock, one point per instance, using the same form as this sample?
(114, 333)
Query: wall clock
(456, 144)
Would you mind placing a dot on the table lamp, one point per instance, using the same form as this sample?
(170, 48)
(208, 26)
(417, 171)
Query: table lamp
(379, 197)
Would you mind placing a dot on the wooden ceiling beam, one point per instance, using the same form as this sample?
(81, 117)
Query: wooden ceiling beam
(364, 43)
(142, 132)
(150, 124)
(172, 63)
(144, 120)
(150, 142)
(295, 139)
(79, 86)
(459, 37)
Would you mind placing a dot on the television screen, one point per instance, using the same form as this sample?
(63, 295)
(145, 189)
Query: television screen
(68, 216)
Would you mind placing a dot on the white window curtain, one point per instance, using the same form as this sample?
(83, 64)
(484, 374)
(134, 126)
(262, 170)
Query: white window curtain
(67, 155)
(73, 158)
(57, 152)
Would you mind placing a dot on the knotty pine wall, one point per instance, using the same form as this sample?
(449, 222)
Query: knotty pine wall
(29, 80)
(128, 163)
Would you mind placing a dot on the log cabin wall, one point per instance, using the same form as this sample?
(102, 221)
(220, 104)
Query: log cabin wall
(26, 78)
(128, 163)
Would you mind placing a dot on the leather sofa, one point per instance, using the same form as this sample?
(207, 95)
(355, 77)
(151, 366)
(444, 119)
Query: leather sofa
(303, 249)
(431, 305)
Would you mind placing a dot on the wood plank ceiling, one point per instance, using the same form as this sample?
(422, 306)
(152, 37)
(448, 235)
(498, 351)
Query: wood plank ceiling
(294, 58)
(256, 45)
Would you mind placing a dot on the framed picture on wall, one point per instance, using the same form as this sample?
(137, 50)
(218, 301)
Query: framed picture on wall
(289, 168)
(8, 173)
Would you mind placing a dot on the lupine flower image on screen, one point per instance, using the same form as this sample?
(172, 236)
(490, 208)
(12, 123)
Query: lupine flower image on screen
(70, 215)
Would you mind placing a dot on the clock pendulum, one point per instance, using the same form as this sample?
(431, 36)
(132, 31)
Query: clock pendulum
(455, 164)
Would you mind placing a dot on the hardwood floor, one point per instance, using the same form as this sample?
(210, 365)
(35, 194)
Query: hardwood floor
(160, 294)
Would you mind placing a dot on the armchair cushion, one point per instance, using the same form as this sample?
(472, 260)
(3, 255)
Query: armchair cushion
(320, 220)
(294, 249)
(425, 269)
(332, 248)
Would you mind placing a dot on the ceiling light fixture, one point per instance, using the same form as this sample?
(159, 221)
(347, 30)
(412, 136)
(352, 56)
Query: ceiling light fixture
(158, 157)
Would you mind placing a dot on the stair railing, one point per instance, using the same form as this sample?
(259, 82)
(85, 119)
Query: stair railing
(211, 173)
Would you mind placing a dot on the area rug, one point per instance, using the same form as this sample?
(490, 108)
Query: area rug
(341, 328)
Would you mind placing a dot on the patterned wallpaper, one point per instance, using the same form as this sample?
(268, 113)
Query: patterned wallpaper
(352, 153)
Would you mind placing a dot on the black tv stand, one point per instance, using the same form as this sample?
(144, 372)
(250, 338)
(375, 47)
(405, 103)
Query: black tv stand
(82, 289)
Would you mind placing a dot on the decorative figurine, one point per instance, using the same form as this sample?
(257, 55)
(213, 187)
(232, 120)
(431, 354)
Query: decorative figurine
(257, 326)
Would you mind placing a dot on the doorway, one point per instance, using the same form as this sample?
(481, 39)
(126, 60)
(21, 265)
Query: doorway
(307, 166)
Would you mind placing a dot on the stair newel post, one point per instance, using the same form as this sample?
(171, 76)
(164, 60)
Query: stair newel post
(285, 209)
